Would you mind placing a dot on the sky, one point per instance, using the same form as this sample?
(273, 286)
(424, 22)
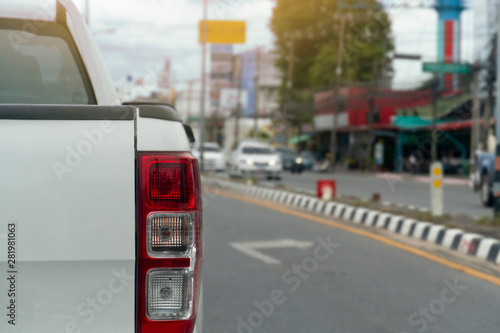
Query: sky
(147, 31)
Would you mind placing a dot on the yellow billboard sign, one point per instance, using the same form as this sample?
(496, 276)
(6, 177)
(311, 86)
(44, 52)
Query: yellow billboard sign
(224, 32)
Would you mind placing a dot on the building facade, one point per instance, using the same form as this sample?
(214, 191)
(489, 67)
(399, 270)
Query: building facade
(267, 86)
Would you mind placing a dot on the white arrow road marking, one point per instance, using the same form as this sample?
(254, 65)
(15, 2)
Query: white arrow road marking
(250, 248)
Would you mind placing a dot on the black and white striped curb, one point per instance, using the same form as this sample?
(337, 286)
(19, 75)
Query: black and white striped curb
(454, 239)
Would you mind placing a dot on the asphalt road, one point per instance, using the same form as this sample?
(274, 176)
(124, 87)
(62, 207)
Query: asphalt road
(458, 199)
(355, 284)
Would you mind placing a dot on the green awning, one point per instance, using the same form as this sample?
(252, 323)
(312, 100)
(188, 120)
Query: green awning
(300, 138)
(411, 121)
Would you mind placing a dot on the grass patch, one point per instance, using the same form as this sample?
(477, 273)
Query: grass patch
(421, 216)
(485, 220)
(279, 186)
(451, 225)
(427, 216)
(360, 203)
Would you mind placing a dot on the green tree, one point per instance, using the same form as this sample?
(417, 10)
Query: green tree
(311, 29)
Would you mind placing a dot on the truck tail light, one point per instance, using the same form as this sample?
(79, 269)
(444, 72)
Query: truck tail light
(169, 242)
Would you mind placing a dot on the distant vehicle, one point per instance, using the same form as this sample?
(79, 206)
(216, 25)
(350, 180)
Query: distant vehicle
(255, 158)
(290, 159)
(482, 176)
(453, 163)
(308, 159)
(214, 158)
(297, 166)
(288, 156)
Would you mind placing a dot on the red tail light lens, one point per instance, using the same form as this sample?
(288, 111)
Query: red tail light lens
(169, 244)
(170, 182)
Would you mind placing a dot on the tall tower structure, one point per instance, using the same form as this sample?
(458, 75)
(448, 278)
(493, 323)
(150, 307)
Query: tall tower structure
(449, 35)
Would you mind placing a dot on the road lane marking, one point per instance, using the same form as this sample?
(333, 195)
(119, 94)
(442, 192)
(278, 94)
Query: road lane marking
(250, 248)
(421, 253)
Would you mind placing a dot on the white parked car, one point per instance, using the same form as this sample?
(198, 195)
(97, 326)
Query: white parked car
(255, 158)
(214, 158)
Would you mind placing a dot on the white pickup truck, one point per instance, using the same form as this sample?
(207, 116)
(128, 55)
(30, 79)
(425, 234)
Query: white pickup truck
(100, 203)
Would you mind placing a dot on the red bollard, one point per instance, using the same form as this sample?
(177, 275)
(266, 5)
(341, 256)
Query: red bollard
(326, 189)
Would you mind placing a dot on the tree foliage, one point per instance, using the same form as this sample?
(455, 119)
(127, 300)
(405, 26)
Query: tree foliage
(313, 26)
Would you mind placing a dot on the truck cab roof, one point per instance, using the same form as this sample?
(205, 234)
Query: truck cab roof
(62, 12)
(29, 10)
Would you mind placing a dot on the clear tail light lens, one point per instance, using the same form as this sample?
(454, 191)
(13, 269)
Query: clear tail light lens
(170, 234)
(169, 242)
(168, 294)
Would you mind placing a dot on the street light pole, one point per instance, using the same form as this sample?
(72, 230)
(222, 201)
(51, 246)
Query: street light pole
(189, 93)
(238, 70)
(256, 96)
(435, 95)
(203, 83)
(474, 135)
(336, 106)
(496, 184)
(215, 120)
(289, 86)
(87, 12)
(371, 114)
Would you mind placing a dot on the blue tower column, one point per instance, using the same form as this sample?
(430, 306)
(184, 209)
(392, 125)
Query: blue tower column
(449, 33)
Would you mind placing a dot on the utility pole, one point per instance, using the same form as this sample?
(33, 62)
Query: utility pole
(435, 87)
(189, 96)
(289, 86)
(238, 70)
(371, 114)
(496, 184)
(490, 86)
(203, 83)
(87, 12)
(436, 169)
(488, 110)
(256, 93)
(215, 119)
(474, 135)
(336, 105)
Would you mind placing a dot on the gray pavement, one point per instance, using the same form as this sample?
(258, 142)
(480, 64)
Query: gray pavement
(362, 286)
(458, 199)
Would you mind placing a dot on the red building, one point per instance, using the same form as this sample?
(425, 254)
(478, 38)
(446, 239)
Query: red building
(356, 104)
